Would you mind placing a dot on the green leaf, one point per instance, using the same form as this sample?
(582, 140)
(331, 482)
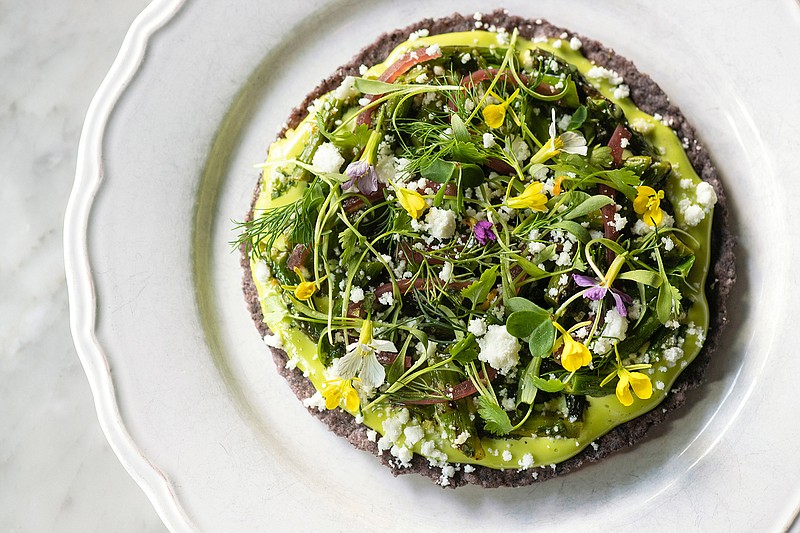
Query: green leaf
(522, 323)
(541, 340)
(460, 132)
(471, 175)
(682, 269)
(545, 255)
(518, 303)
(601, 157)
(648, 277)
(465, 351)
(624, 181)
(548, 385)
(527, 389)
(528, 266)
(533, 323)
(366, 86)
(439, 171)
(343, 138)
(589, 205)
(664, 302)
(479, 290)
(581, 233)
(578, 118)
(494, 416)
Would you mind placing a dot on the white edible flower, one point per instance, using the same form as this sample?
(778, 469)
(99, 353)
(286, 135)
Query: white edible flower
(361, 359)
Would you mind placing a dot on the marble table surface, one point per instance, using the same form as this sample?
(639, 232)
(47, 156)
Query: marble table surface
(57, 472)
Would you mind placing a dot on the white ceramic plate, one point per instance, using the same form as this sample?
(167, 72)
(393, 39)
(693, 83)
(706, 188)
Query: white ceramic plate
(185, 390)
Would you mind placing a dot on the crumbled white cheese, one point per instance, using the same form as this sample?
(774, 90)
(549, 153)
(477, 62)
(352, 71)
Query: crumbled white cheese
(387, 299)
(693, 215)
(465, 58)
(262, 272)
(273, 341)
(623, 91)
(327, 158)
(448, 471)
(563, 122)
(447, 272)
(402, 454)
(642, 125)
(615, 328)
(441, 223)
(413, 434)
(499, 348)
(619, 222)
(315, 402)
(488, 140)
(623, 143)
(346, 89)
(507, 456)
(575, 43)
(477, 326)
(356, 294)
(433, 49)
(417, 34)
(520, 149)
(673, 354)
(468, 469)
(372, 435)
(602, 73)
(526, 461)
(706, 197)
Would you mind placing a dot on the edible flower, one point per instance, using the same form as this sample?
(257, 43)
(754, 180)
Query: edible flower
(557, 186)
(484, 232)
(363, 175)
(598, 289)
(531, 197)
(629, 379)
(411, 201)
(362, 172)
(303, 290)
(647, 204)
(570, 142)
(637, 381)
(495, 114)
(340, 391)
(575, 354)
(361, 359)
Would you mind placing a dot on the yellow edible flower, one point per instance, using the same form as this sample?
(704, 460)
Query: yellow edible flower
(340, 392)
(628, 379)
(575, 354)
(495, 114)
(647, 204)
(531, 197)
(411, 201)
(571, 142)
(305, 289)
(640, 383)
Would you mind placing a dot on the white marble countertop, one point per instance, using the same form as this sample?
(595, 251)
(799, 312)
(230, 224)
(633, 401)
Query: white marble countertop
(57, 472)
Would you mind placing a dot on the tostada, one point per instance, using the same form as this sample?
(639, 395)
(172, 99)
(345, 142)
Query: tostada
(488, 250)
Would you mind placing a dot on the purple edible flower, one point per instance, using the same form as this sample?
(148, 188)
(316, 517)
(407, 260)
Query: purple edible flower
(483, 231)
(363, 175)
(598, 292)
